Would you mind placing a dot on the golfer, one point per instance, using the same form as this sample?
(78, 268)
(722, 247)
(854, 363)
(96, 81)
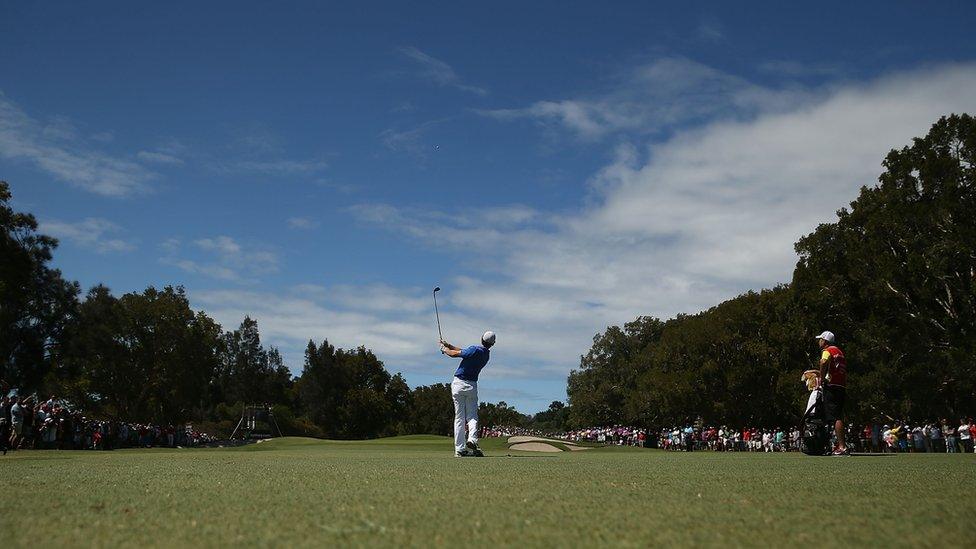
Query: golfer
(464, 391)
(833, 372)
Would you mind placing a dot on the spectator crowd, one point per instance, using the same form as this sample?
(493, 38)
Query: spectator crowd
(29, 423)
(935, 436)
(892, 437)
(616, 435)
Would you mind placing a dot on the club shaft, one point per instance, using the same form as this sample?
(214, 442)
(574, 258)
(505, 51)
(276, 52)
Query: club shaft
(437, 314)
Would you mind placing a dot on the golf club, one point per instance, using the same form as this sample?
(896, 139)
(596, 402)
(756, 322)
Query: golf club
(882, 413)
(438, 315)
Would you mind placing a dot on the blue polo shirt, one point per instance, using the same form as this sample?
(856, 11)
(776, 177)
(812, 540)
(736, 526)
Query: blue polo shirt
(473, 359)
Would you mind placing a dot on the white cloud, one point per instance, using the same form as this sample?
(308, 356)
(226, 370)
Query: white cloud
(396, 324)
(103, 137)
(212, 270)
(683, 224)
(484, 227)
(302, 223)
(225, 245)
(661, 94)
(404, 141)
(156, 157)
(221, 257)
(93, 233)
(56, 149)
(378, 298)
(171, 245)
(344, 188)
(411, 141)
(255, 149)
(59, 128)
(710, 31)
(256, 138)
(283, 167)
(793, 68)
(438, 71)
(292, 320)
(277, 168)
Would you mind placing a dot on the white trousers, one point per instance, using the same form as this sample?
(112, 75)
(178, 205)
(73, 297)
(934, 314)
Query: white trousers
(465, 395)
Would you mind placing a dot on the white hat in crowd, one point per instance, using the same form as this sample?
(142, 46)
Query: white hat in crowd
(826, 336)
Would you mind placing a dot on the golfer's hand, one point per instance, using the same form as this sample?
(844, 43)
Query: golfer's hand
(443, 349)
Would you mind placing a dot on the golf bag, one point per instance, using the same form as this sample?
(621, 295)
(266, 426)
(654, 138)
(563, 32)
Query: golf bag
(814, 431)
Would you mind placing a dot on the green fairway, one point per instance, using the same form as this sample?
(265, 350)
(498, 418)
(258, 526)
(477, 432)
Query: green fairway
(412, 491)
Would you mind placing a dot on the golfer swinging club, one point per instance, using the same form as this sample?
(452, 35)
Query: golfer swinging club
(464, 391)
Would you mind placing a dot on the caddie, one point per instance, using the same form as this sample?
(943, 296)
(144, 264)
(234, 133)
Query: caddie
(833, 375)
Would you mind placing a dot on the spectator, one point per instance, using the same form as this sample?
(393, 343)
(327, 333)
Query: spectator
(972, 433)
(950, 436)
(4, 423)
(919, 438)
(897, 437)
(965, 437)
(16, 421)
(27, 424)
(938, 441)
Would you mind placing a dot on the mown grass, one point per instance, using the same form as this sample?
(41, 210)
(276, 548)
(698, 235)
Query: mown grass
(412, 491)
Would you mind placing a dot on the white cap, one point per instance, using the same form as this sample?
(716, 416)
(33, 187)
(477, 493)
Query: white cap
(488, 339)
(826, 336)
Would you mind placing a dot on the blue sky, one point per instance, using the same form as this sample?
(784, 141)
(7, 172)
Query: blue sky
(554, 168)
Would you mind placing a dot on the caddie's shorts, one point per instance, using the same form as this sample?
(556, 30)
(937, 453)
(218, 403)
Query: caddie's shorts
(834, 397)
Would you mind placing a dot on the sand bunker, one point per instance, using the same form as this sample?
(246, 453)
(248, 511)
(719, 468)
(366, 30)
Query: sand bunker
(539, 444)
(534, 447)
(518, 439)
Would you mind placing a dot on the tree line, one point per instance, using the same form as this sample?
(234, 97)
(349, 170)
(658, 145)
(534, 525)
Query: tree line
(894, 277)
(149, 357)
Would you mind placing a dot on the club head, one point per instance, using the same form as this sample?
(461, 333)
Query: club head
(437, 289)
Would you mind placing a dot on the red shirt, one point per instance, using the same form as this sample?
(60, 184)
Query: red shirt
(836, 367)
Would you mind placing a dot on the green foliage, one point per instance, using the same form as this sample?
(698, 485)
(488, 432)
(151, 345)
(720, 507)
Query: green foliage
(248, 372)
(894, 277)
(500, 414)
(431, 410)
(35, 302)
(553, 420)
(609, 371)
(142, 357)
(346, 392)
(897, 273)
(149, 357)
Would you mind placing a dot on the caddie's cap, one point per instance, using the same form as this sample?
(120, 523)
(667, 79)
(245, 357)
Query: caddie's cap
(826, 336)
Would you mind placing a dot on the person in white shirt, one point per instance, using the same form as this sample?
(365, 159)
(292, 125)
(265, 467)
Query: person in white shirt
(965, 437)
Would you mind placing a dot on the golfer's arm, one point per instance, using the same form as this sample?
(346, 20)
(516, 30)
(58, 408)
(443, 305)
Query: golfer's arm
(824, 363)
(449, 346)
(453, 352)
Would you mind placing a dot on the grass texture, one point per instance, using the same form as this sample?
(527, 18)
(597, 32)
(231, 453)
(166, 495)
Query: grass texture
(411, 491)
